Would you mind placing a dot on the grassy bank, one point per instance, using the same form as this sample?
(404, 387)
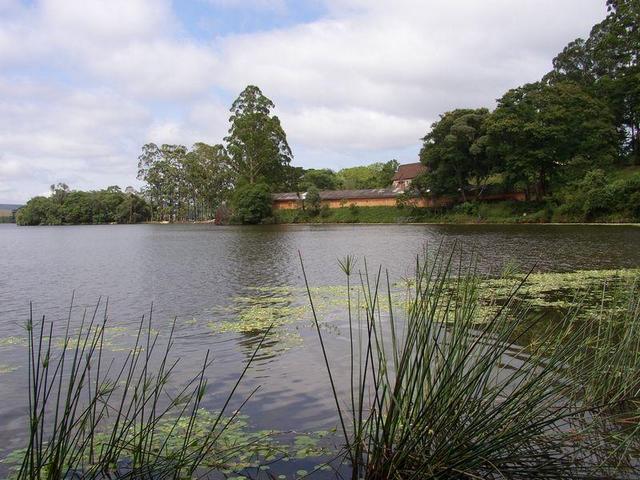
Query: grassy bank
(495, 212)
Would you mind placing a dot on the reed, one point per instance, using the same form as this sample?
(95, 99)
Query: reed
(89, 418)
(447, 390)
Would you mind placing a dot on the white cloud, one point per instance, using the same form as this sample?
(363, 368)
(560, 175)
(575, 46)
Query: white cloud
(158, 69)
(113, 21)
(352, 129)
(50, 133)
(377, 72)
(204, 121)
(135, 45)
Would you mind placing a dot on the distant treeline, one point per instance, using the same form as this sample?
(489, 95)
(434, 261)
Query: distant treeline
(65, 206)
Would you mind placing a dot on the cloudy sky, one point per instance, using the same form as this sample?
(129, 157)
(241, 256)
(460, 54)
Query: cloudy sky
(84, 83)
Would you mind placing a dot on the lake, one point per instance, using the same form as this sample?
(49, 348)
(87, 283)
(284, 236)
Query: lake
(213, 277)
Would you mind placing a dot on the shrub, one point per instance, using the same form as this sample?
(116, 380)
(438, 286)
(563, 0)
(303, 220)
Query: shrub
(466, 208)
(325, 211)
(251, 203)
(312, 200)
(597, 202)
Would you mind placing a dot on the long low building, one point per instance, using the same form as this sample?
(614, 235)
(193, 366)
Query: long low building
(374, 197)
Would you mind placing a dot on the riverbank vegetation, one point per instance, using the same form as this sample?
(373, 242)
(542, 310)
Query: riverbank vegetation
(69, 207)
(601, 197)
(93, 418)
(569, 141)
(454, 390)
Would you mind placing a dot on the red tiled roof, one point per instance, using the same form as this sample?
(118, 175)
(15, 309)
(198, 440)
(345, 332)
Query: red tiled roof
(409, 171)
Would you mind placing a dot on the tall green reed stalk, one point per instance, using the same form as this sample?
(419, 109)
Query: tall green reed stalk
(606, 366)
(445, 390)
(89, 418)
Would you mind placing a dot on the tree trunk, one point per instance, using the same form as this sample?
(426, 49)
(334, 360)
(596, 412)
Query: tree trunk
(635, 144)
(540, 186)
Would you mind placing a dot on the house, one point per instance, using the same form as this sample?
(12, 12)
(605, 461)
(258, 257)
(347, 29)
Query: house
(405, 175)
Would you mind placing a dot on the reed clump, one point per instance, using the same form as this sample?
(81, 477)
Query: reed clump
(93, 418)
(449, 389)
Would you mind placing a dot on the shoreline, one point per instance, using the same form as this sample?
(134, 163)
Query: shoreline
(211, 222)
(468, 223)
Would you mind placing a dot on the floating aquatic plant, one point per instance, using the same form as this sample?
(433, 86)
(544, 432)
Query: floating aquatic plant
(4, 368)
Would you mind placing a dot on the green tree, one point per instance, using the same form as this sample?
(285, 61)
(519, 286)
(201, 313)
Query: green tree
(59, 192)
(387, 171)
(185, 184)
(155, 169)
(257, 144)
(544, 133)
(322, 179)
(252, 203)
(132, 209)
(375, 175)
(207, 179)
(574, 63)
(455, 151)
(360, 177)
(312, 200)
(78, 207)
(608, 63)
(39, 211)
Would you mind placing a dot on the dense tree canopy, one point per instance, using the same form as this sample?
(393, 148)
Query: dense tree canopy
(548, 132)
(374, 175)
(583, 115)
(251, 203)
(184, 184)
(65, 206)
(322, 179)
(607, 63)
(455, 151)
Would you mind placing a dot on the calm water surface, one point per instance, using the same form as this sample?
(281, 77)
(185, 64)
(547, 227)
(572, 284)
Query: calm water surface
(206, 274)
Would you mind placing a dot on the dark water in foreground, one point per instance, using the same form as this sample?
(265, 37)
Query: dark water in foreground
(211, 276)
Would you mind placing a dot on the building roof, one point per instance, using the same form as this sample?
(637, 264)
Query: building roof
(288, 196)
(341, 194)
(409, 171)
(367, 193)
(9, 206)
